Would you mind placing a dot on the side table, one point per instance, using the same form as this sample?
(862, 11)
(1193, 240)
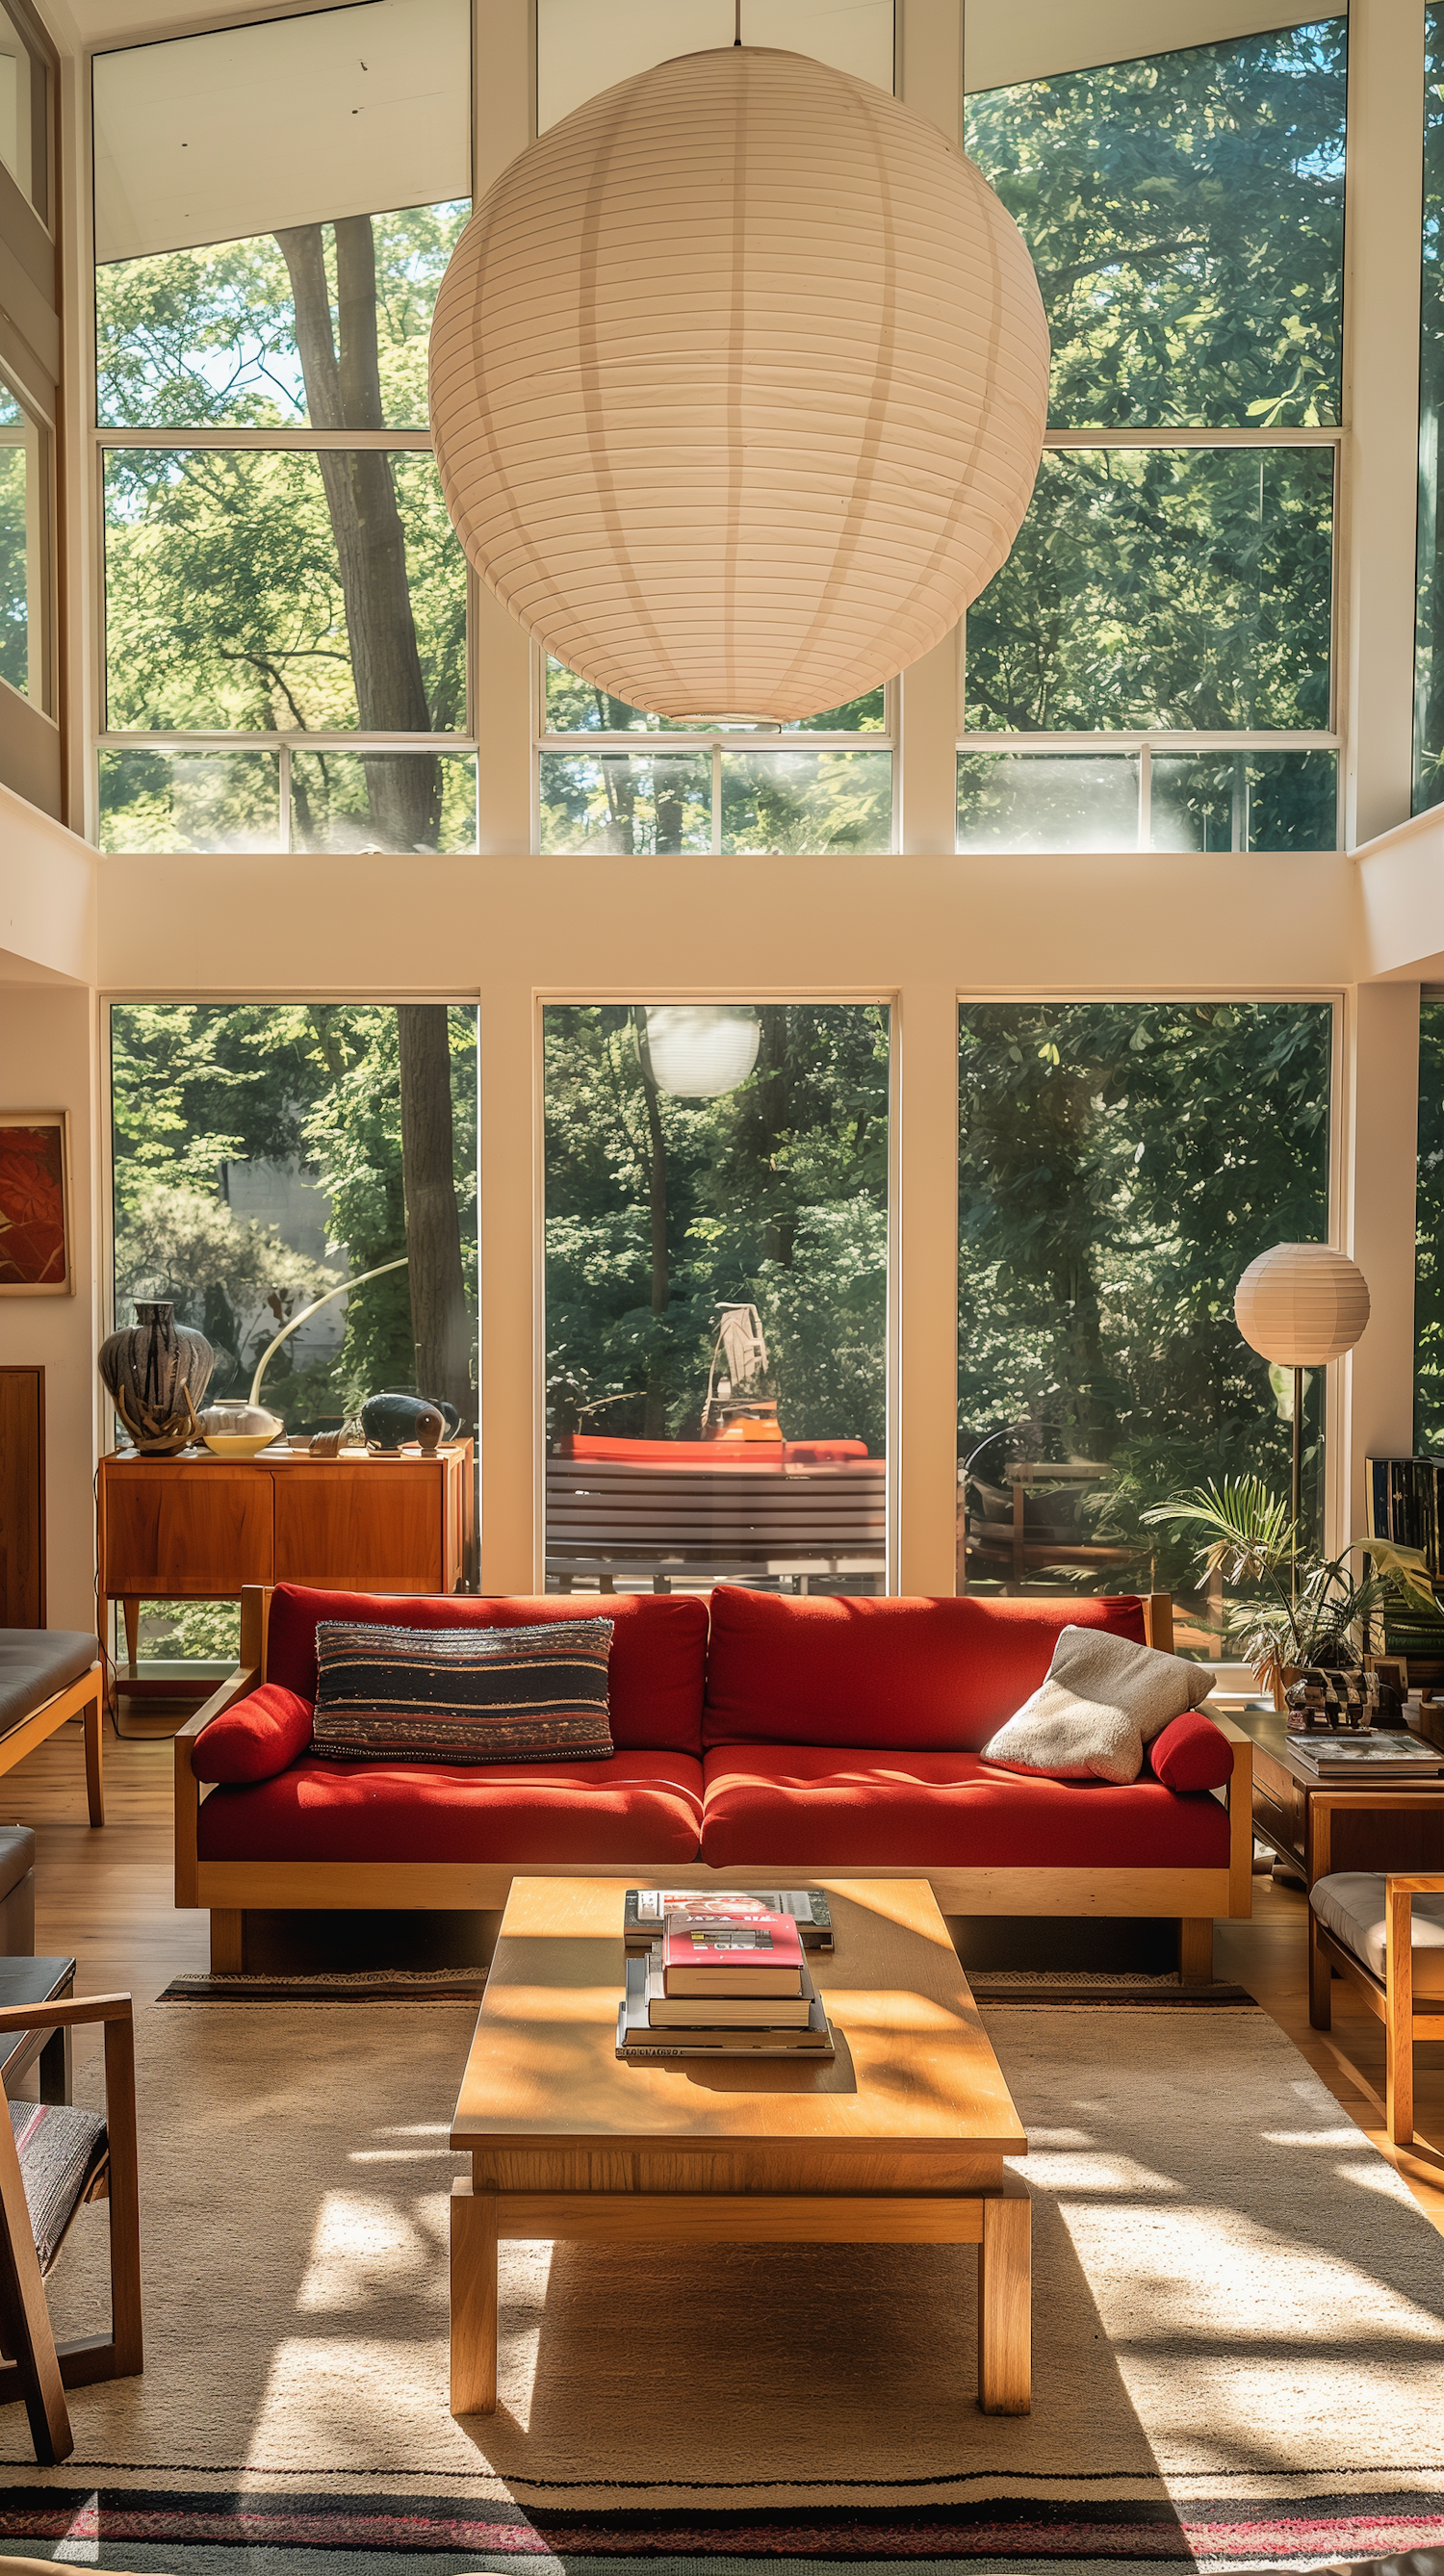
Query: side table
(36, 1981)
(1324, 1825)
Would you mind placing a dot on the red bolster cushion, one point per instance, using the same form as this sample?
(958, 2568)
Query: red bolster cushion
(259, 1737)
(1191, 1753)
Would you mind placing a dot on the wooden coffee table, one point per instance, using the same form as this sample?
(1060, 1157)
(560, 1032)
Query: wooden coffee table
(900, 2141)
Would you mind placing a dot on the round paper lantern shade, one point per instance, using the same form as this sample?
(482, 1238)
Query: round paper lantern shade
(1301, 1305)
(698, 1050)
(738, 384)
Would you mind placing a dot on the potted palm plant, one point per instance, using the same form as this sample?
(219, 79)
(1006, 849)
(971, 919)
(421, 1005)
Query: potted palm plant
(1309, 1617)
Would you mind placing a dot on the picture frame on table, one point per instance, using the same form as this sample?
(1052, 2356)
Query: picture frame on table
(37, 1231)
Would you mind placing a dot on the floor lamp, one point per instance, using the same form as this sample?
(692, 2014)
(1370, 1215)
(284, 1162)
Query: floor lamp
(1300, 1306)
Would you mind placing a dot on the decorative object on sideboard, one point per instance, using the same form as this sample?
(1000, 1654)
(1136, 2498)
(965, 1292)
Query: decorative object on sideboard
(231, 1428)
(389, 1420)
(36, 1259)
(153, 1371)
(741, 519)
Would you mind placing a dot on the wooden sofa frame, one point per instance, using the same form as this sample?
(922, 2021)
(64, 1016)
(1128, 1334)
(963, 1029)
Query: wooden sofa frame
(84, 1697)
(232, 1888)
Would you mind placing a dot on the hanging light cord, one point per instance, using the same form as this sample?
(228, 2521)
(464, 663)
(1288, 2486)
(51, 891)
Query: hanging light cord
(737, 39)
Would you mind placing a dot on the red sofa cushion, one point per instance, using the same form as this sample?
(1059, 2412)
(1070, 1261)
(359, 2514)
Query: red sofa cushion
(639, 1807)
(1191, 1753)
(654, 1674)
(808, 1806)
(890, 1673)
(260, 1736)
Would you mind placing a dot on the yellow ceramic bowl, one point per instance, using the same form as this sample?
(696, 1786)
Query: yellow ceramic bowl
(238, 1444)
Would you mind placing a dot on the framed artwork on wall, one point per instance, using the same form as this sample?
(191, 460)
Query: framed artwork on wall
(36, 1234)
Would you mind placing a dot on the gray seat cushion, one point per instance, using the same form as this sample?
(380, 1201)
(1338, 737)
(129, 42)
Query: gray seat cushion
(35, 1663)
(17, 1859)
(1351, 1906)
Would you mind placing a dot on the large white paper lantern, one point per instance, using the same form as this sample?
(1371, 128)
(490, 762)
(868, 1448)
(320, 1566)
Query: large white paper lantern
(1302, 1305)
(738, 384)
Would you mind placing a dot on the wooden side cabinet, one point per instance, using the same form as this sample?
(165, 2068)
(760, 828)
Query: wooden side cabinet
(197, 1528)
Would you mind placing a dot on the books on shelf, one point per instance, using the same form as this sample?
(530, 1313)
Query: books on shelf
(638, 2037)
(647, 1908)
(756, 1953)
(1390, 1754)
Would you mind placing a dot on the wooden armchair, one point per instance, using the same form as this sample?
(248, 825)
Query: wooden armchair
(1344, 1921)
(98, 2165)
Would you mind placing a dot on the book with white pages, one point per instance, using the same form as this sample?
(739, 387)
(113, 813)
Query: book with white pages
(1387, 1755)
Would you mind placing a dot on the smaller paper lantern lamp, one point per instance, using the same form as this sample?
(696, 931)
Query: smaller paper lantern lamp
(698, 1050)
(1300, 1306)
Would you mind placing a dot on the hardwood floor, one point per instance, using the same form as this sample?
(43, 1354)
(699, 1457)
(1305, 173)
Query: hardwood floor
(107, 1896)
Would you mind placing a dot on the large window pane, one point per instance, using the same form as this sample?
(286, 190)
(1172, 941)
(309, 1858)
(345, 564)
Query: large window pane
(383, 800)
(1040, 800)
(23, 658)
(190, 800)
(794, 801)
(239, 592)
(1187, 587)
(625, 804)
(1429, 640)
(1185, 213)
(219, 337)
(716, 1285)
(258, 1163)
(1121, 1164)
(1245, 800)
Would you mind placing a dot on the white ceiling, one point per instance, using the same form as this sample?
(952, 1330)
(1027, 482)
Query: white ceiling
(220, 137)
(118, 22)
(1018, 40)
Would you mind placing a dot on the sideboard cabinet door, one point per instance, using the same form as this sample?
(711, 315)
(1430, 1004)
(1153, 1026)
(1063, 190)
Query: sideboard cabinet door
(373, 1527)
(180, 1530)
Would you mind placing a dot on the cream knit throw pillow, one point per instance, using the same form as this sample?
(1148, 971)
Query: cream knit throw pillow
(1103, 1700)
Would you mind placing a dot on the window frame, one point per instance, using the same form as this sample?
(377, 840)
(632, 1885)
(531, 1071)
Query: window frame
(286, 440)
(1161, 741)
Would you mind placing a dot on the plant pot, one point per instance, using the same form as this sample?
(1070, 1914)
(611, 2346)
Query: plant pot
(154, 1371)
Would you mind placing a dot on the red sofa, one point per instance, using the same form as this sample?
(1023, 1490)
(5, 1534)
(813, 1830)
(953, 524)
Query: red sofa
(754, 1734)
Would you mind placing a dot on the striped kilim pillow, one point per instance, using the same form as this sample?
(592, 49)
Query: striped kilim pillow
(462, 1694)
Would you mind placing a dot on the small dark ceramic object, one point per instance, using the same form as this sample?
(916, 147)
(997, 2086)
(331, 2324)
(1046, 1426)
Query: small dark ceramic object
(388, 1420)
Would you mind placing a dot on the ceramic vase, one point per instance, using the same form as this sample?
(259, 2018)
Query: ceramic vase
(231, 1428)
(154, 1372)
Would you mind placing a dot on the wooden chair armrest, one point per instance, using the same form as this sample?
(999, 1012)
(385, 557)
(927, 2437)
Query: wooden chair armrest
(238, 1685)
(1226, 1725)
(1410, 1884)
(66, 2012)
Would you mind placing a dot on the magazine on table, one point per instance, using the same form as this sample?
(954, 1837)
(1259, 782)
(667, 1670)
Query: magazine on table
(647, 1908)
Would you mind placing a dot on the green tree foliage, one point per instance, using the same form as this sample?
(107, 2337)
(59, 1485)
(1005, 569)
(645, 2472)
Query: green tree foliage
(1185, 214)
(1429, 1245)
(1429, 635)
(774, 1193)
(200, 1087)
(1121, 1164)
(1162, 587)
(194, 339)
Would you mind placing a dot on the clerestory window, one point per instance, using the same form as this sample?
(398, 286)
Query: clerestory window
(1153, 667)
(285, 601)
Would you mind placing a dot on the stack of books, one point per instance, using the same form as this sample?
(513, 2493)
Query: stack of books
(1352, 1754)
(724, 1977)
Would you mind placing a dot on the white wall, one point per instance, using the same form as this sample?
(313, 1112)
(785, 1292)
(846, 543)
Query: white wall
(47, 1061)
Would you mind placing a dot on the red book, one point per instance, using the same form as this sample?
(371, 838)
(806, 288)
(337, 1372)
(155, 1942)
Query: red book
(753, 1952)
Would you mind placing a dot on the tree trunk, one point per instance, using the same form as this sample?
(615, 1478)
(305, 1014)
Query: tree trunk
(440, 1324)
(404, 793)
(655, 1424)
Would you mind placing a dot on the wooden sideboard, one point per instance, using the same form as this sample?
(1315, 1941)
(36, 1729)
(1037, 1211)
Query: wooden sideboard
(195, 1528)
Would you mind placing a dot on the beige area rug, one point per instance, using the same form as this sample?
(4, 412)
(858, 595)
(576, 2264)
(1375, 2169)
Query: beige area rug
(1238, 2309)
